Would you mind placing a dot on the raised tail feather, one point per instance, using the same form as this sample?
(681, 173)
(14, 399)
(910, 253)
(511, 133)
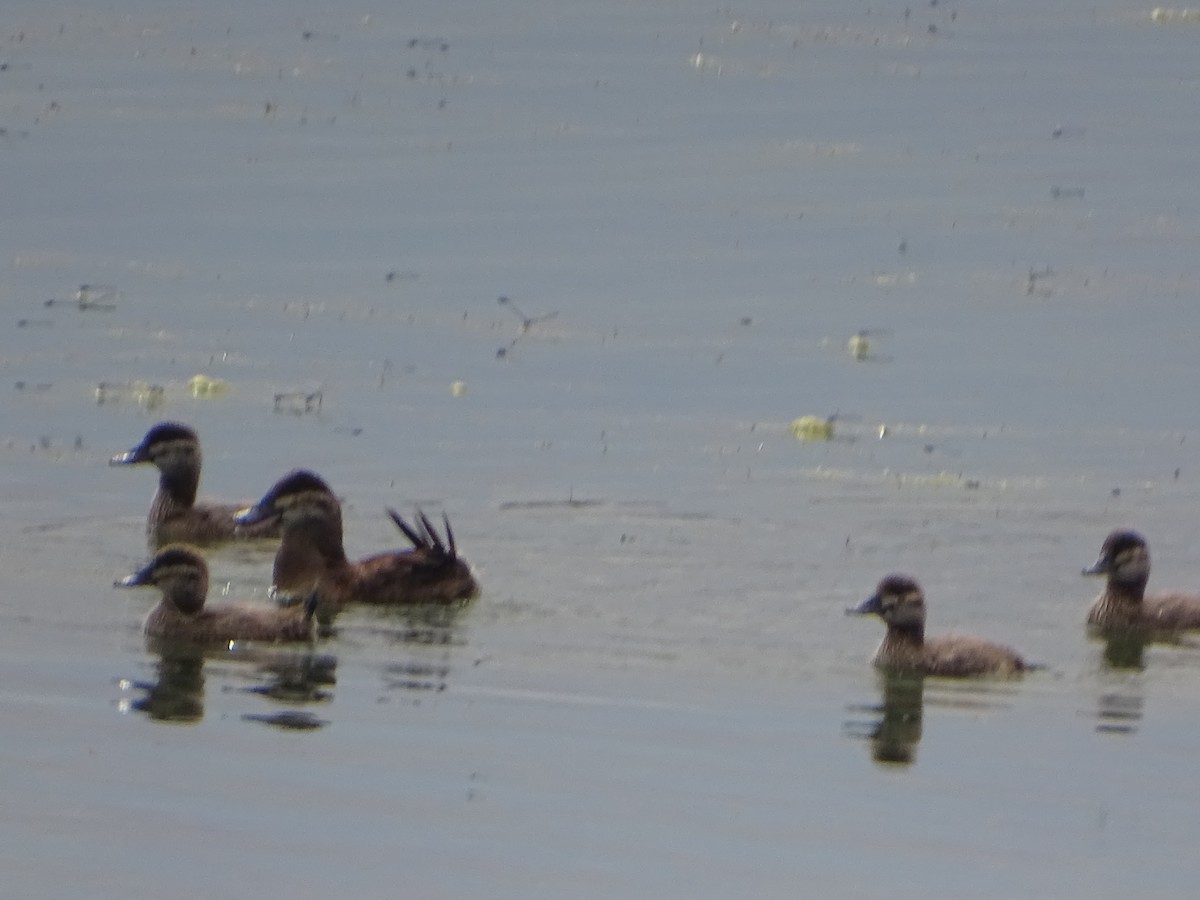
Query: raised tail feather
(425, 536)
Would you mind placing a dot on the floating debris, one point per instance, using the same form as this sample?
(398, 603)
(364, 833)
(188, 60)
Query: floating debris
(703, 63)
(458, 388)
(1035, 276)
(1068, 131)
(567, 503)
(813, 428)
(527, 322)
(1165, 15)
(144, 394)
(434, 43)
(101, 297)
(941, 479)
(298, 402)
(202, 386)
(859, 346)
(35, 386)
(1066, 193)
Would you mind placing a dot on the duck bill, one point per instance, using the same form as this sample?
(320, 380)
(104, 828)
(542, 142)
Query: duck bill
(1100, 567)
(138, 579)
(130, 457)
(252, 515)
(867, 607)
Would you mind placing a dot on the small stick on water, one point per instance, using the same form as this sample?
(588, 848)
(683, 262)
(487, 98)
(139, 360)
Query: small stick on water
(527, 322)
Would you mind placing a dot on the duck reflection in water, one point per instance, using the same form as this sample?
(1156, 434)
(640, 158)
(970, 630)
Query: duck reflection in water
(292, 677)
(1125, 649)
(177, 693)
(1119, 712)
(895, 729)
(426, 640)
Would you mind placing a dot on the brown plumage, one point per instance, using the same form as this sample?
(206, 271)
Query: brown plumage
(1125, 559)
(311, 555)
(174, 514)
(899, 601)
(180, 573)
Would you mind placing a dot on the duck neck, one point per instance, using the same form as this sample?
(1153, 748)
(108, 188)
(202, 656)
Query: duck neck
(187, 599)
(908, 635)
(310, 549)
(177, 489)
(1120, 600)
(901, 648)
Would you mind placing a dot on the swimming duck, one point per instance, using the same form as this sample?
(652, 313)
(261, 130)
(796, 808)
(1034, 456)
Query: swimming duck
(174, 515)
(1125, 559)
(180, 573)
(899, 601)
(311, 555)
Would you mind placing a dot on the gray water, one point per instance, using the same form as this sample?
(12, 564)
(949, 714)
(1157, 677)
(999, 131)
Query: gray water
(690, 209)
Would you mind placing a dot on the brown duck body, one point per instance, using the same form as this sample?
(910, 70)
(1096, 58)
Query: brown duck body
(1123, 605)
(222, 624)
(949, 656)
(175, 516)
(899, 601)
(180, 573)
(311, 555)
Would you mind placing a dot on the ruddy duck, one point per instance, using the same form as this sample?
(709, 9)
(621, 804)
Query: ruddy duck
(174, 515)
(899, 601)
(180, 573)
(1125, 559)
(311, 555)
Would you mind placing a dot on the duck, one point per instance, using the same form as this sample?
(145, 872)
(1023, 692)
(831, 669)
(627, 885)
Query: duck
(311, 556)
(900, 602)
(181, 574)
(1125, 560)
(175, 516)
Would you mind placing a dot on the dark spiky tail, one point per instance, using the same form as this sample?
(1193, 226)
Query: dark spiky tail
(423, 536)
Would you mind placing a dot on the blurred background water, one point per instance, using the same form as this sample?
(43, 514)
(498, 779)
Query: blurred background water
(690, 212)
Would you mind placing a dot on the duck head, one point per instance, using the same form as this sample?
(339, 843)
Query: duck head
(179, 572)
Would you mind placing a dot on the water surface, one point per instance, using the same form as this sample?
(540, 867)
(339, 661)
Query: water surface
(690, 212)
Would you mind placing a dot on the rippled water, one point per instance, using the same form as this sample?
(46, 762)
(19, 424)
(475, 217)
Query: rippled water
(690, 212)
